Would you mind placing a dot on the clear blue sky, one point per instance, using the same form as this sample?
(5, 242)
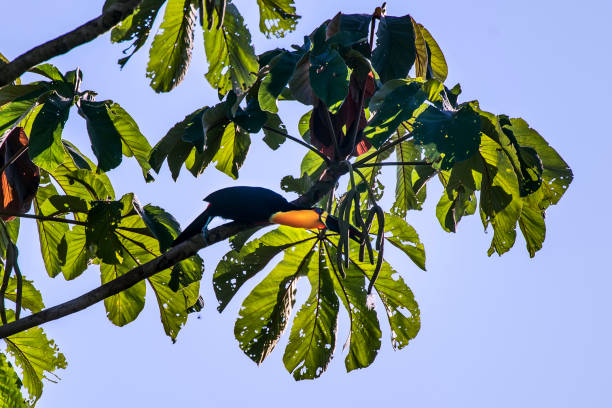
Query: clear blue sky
(496, 332)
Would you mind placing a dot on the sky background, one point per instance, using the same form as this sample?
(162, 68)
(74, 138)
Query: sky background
(502, 332)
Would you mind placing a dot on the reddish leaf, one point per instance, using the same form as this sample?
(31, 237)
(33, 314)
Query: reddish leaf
(345, 118)
(20, 179)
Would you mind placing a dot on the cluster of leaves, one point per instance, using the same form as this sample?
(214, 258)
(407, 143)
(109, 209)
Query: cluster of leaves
(410, 114)
(227, 41)
(370, 99)
(84, 224)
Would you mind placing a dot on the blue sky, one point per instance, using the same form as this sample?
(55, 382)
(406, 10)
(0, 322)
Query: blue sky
(503, 332)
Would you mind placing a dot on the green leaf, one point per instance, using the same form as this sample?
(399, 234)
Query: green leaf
(234, 148)
(329, 77)
(18, 102)
(500, 203)
(10, 386)
(73, 248)
(50, 233)
(395, 51)
(282, 68)
(276, 17)
(232, 64)
(48, 70)
(125, 306)
(35, 355)
(31, 298)
(112, 131)
(266, 310)
(532, 222)
(274, 139)
(102, 221)
(313, 334)
(403, 236)
(237, 266)
(136, 27)
(364, 336)
(556, 174)
(299, 85)
(421, 55)
(350, 30)
(453, 205)
(401, 307)
(394, 103)
(46, 148)
(437, 63)
(449, 136)
(173, 305)
(407, 195)
(174, 142)
(170, 52)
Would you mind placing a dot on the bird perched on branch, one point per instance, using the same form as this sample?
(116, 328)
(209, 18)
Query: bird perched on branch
(260, 206)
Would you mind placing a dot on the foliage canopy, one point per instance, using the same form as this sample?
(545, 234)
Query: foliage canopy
(374, 89)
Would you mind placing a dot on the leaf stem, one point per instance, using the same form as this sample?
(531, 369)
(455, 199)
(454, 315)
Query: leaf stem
(401, 163)
(295, 139)
(382, 149)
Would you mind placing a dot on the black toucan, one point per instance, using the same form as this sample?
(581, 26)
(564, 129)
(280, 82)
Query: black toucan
(260, 205)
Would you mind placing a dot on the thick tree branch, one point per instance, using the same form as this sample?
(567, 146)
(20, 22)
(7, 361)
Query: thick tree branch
(182, 251)
(64, 43)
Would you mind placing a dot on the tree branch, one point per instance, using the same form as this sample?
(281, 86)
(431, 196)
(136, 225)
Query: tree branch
(171, 257)
(110, 17)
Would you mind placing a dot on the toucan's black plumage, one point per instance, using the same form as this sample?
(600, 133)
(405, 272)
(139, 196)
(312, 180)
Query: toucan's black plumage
(259, 205)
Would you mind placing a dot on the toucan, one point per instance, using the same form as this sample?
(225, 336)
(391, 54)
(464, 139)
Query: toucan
(260, 206)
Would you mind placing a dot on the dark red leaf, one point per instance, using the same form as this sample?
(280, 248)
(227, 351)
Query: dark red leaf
(21, 178)
(345, 119)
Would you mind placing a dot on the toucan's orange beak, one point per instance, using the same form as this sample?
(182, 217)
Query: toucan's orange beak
(308, 219)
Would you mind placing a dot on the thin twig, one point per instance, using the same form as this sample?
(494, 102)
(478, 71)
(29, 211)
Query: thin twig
(295, 139)
(402, 163)
(110, 17)
(382, 149)
(13, 159)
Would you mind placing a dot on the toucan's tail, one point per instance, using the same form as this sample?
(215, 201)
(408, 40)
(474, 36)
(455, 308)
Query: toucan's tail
(333, 225)
(194, 228)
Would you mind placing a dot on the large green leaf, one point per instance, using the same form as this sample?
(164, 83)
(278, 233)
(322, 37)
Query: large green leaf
(170, 52)
(125, 306)
(282, 68)
(556, 174)
(277, 17)
(408, 195)
(395, 51)
(112, 131)
(329, 77)
(448, 136)
(237, 266)
(437, 63)
(401, 307)
(500, 203)
(31, 298)
(46, 148)
(102, 221)
(232, 64)
(35, 355)
(532, 222)
(136, 27)
(364, 336)
(50, 233)
(10, 386)
(403, 236)
(421, 55)
(394, 103)
(313, 334)
(233, 150)
(266, 310)
(27, 93)
(77, 255)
